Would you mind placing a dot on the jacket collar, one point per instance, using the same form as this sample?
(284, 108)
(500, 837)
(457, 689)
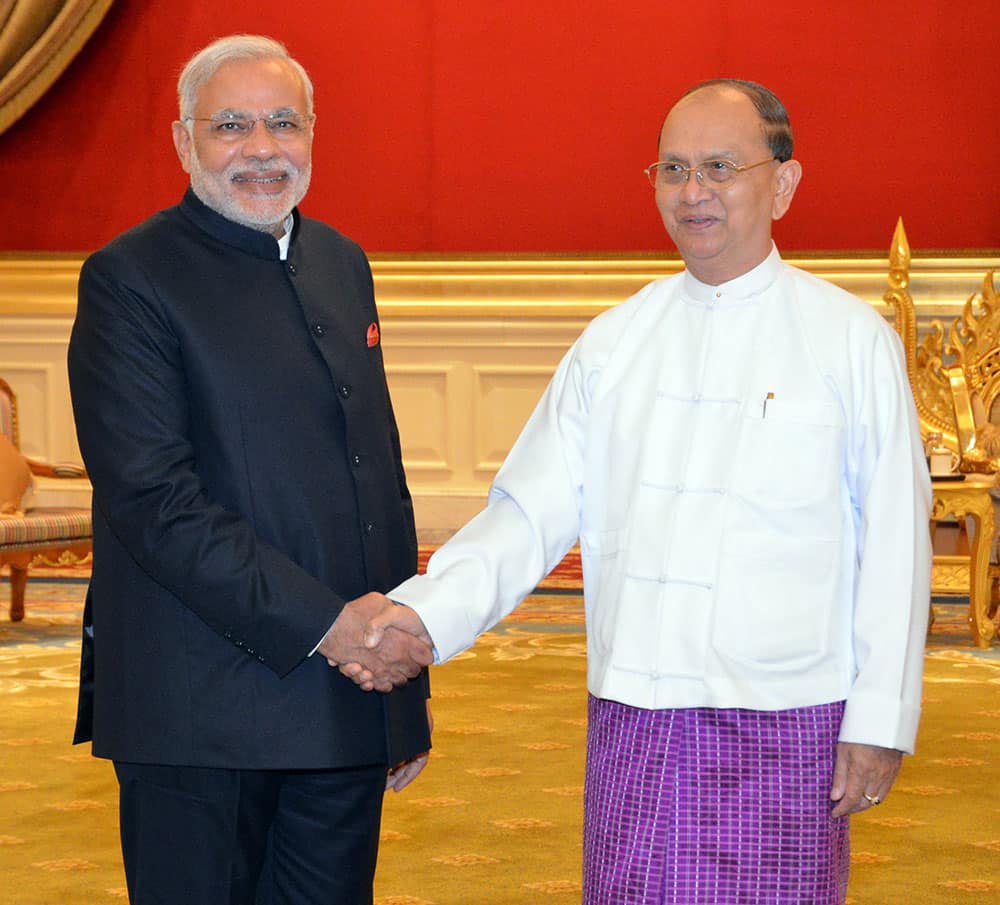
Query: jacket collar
(253, 241)
(744, 287)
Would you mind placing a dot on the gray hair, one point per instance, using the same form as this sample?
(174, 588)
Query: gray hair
(206, 62)
(773, 115)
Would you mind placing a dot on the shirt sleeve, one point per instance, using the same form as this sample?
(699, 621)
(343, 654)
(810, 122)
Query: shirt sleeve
(891, 497)
(531, 520)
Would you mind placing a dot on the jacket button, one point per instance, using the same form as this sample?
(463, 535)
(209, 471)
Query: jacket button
(319, 330)
(344, 390)
(356, 460)
(369, 527)
(291, 269)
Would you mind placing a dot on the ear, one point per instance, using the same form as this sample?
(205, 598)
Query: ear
(786, 182)
(182, 144)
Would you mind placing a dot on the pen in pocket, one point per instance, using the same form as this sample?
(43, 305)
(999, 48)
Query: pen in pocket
(763, 413)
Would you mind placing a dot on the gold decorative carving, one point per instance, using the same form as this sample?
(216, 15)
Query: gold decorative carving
(38, 40)
(65, 558)
(976, 341)
(951, 575)
(972, 498)
(924, 360)
(949, 369)
(955, 378)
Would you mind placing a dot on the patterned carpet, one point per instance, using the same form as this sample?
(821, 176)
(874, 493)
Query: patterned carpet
(495, 819)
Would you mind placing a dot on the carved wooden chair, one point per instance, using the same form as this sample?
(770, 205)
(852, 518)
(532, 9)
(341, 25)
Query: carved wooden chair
(955, 377)
(53, 535)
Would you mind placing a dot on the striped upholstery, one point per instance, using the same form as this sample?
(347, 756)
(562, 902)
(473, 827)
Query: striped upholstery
(44, 527)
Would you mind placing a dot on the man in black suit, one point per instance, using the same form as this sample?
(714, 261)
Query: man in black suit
(249, 498)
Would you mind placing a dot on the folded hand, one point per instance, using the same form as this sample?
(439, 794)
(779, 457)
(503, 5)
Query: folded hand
(403, 774)
(862, 777)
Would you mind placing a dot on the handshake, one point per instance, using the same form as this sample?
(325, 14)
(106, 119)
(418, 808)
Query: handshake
(377, 644)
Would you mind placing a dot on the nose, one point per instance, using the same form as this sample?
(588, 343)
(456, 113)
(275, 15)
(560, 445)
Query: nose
(260, 143)
(693, 188)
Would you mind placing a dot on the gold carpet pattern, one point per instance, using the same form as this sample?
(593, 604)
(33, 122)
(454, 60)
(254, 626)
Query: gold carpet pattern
(496, 816)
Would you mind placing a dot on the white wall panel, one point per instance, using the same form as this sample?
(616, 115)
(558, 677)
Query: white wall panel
(506, 397)
(423, 401)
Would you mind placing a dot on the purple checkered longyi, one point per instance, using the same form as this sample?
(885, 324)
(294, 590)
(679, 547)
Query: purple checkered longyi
(712, 807)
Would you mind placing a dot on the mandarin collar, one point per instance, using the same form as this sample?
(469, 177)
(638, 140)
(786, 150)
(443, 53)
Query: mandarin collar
(744, 287)
(253, 241)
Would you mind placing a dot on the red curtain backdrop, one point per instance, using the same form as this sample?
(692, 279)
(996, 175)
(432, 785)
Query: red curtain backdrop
(458, 126)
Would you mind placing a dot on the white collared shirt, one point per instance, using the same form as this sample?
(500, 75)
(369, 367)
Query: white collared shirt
(742, 465)
(286, 240)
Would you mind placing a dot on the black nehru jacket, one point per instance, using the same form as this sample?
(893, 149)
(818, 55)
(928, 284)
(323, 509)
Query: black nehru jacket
(233, 414)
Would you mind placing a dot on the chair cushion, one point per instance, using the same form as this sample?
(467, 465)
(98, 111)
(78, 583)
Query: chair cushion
(15, 477)
(46, 526)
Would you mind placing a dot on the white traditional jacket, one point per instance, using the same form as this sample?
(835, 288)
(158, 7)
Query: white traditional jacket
(743, 468)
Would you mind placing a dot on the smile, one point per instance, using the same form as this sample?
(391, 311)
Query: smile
(260, 180)
(698, 221)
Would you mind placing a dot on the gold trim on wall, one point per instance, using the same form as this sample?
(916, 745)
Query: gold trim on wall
(38, 40)
(545, 286)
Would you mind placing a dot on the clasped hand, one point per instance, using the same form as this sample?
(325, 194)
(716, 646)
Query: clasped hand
(385, 633)
(375, 646)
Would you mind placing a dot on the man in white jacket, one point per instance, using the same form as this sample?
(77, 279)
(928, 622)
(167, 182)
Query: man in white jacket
(737, 451)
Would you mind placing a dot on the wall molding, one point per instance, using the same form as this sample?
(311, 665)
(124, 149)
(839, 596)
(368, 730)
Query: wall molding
(509, 285)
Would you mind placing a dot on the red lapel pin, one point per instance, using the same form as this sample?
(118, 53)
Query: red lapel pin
(372, 334)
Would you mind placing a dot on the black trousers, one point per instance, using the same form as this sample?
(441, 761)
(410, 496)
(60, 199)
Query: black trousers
(203, 836)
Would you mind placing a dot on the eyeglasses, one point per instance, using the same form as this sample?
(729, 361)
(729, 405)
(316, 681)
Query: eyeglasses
(667, 174)
(234, 128)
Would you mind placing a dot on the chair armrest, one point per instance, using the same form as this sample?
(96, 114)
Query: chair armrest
(56, 470)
